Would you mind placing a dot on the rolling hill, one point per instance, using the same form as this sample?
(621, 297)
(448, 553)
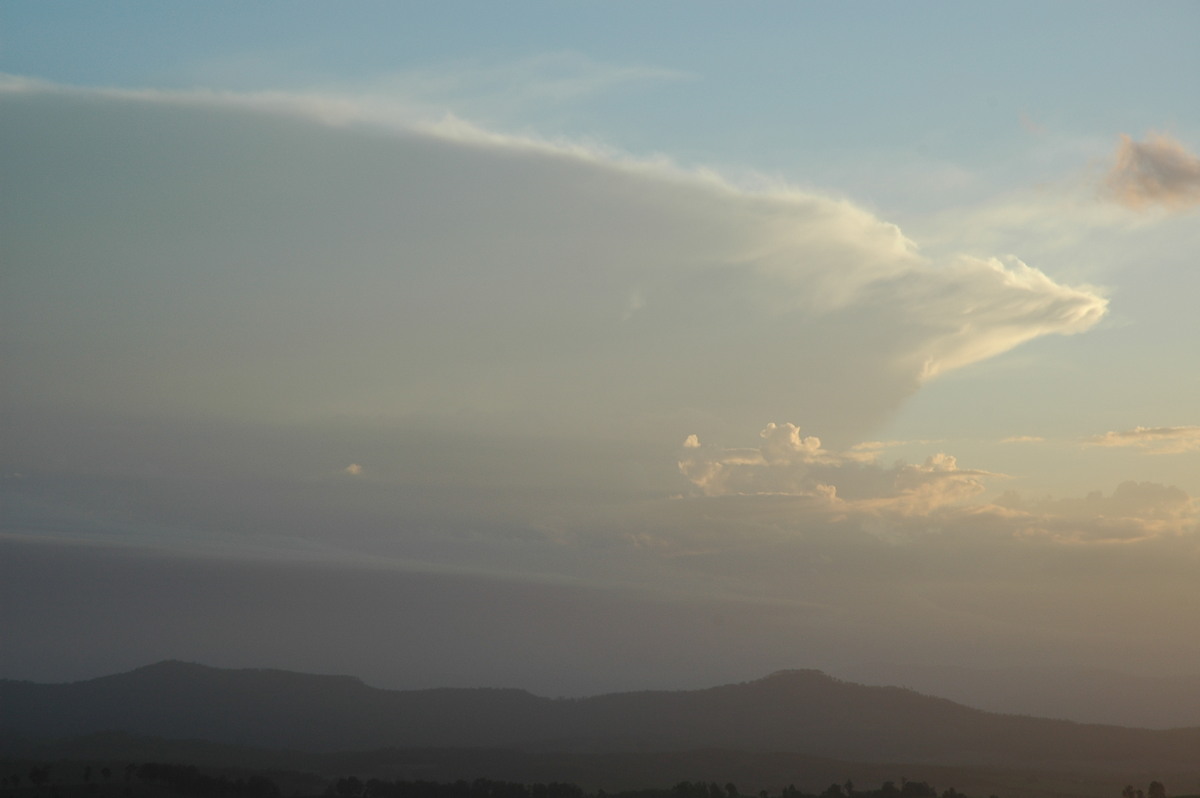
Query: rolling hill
(800, 711)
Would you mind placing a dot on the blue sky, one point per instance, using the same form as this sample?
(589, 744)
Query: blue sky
(776, 83)
(660, 303)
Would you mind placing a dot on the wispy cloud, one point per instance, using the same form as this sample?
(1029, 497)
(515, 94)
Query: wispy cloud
(869, 451)
(548, 77)
(510, 92)
(1155, 440)
(1023, 439)
(1156, 171)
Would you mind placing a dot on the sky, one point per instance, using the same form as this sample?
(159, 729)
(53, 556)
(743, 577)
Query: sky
(599, 346)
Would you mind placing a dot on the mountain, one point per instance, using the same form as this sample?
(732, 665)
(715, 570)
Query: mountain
(1088, 695)
(271, 708)
(804, 712)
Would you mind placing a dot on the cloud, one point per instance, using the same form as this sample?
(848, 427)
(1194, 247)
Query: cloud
(790, 464)
(1154, 440)
(1156, 171)
(500, 88)
(870, 451)
(1031, 125)
(1134, 511)
(214, 253)
(791, 481)
(1033, 305)
(208, 296)
(354, 469)
(781, 465)
(1023, 439)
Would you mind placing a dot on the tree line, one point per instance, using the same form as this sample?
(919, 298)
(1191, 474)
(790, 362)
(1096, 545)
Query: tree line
(353, 787)
(183, 780)
(38, 780)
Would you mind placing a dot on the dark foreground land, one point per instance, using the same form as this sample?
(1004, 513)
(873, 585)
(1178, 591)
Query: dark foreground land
(207, 771)
(68, 779)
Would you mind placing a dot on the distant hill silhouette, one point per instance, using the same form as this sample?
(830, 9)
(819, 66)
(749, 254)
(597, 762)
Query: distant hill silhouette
(805, 712)
(1086, 695)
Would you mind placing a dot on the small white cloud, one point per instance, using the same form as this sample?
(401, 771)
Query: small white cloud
(1157, 171)
(1023, 439)
(354, 469)
(692, 442)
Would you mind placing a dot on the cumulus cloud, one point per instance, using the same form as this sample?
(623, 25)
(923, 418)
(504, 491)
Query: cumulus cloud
(354, 469)
(238, 246)
(781, 464)
(1156, 171)
(841, 489)
(1134, 511)
(1154, 440)
(791, 464)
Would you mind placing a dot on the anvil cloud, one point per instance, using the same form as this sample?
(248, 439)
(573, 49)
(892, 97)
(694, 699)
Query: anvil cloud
(216, 255)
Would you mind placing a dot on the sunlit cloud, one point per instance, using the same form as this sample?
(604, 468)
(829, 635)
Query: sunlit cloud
(490, 275)
(1156, 171)
(1154, 440)
(879, 446)
(1034, 305)
(1023, 439)
(462, 303)
(902, 502)
(870, 451)
(788, 463)
(1133, 511)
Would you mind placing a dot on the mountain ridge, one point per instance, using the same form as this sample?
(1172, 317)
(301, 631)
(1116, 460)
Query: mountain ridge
(801, 710)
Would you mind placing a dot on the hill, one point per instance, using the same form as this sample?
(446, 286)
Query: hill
(804, 712)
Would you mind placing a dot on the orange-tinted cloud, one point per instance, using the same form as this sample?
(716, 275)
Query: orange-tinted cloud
(1156, 171)
(790, 464)
(1155, 440)
(1134, 511)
